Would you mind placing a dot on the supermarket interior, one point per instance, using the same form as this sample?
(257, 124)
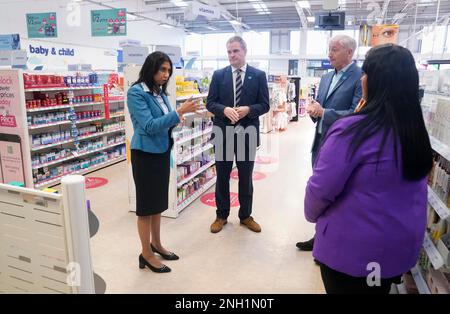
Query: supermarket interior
(114, 116)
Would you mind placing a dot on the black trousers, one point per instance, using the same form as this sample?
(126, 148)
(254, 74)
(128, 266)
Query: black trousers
(245, 161)
(339, 283)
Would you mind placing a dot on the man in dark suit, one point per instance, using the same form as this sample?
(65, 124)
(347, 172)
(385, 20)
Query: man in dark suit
(339, 94)
(238, 95)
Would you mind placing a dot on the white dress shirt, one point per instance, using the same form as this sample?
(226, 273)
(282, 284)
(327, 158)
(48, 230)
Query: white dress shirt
(243, 70)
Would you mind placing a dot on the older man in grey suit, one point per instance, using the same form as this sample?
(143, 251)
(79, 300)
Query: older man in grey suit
(339, 94)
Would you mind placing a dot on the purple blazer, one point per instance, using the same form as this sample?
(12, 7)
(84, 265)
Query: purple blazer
(364, 214)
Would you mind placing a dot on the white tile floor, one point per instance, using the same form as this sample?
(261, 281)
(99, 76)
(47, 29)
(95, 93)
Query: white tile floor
(235, 260)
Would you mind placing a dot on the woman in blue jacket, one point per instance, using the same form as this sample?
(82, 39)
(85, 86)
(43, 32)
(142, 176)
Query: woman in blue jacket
(153, 119)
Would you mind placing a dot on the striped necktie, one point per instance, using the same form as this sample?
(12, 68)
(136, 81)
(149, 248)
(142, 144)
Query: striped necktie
(238, 92)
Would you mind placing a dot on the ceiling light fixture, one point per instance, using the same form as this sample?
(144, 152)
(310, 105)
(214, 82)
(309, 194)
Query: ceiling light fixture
(304, 4)
(166, 25)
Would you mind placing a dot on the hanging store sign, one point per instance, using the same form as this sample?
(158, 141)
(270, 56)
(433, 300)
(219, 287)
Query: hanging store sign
(42, 25)
(135, 55)
(10, 42)
(173, 52)
(207, 11)
(109, 22)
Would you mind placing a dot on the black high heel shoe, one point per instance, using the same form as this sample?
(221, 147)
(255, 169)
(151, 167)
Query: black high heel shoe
(143, 263)
(170, 257)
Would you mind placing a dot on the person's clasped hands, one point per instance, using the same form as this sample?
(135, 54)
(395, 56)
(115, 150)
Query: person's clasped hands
(236, 114)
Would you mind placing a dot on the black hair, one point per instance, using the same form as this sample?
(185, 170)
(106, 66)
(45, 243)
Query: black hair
(393, 106)
(151, 66)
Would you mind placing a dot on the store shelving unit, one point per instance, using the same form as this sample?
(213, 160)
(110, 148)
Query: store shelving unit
(442, 149)
(31, 149)
(176, 205)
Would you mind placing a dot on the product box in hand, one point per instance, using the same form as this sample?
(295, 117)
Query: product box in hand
(429, 79)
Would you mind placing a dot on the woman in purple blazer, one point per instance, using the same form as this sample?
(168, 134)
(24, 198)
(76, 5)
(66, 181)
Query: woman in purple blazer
(368, 191)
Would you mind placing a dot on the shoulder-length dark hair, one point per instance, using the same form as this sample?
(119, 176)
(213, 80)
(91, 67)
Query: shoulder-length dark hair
(393, 106)
(151, 66)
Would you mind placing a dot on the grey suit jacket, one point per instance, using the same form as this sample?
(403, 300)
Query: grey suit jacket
(342, 100)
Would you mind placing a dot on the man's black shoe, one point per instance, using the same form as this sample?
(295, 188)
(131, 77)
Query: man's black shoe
(306, 246)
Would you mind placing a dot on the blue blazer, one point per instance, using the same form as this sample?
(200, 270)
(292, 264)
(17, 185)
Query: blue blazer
(151, 126)
(255, 94)
(342, 101)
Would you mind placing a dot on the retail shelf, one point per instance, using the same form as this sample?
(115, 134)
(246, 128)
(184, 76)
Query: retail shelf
(41, 126)
(419, 280)
(116, 100)
(195, 154)
(196, 173)
(202, 111)
(50, 108)
(195, 135)
(183, 204)
(34, 127)
(76, 155)
(438, 93)
(440, 148)
(55, 181)
(89, 120)
(433, 254)
(441, 209)
(194, 96)
(51, 89)
(117, 115)
(81, 138)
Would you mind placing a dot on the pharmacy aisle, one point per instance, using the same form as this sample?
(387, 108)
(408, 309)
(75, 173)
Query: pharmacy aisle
(234, 260)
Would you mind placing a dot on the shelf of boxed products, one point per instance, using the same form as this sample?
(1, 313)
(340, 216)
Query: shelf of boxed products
(441, 209)
(46, 125)
(440, 148)
(419, 280)
(433, 254)
(54, 181)
(193, 136)
(194, 96)
(196, 153)
(62, 88)
(196, 173)
(76, 155)
(80, 138)
(188, 200)
(50, 108)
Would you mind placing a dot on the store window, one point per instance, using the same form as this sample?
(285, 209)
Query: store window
(353, 33)
(209, 65)
(295, 42)
(210, 47)
(193, 45)
(317, 42)
(263, 65)
(433, 39)
(258, 44)
(222, 43)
